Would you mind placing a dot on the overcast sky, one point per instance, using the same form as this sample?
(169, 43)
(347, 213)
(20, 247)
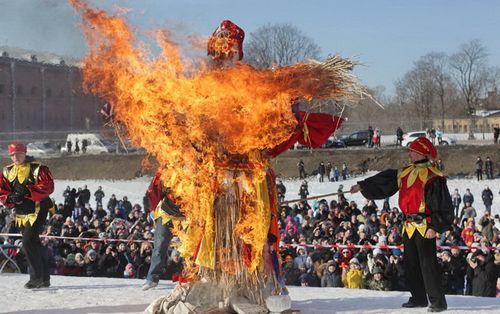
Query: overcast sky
(386, 35)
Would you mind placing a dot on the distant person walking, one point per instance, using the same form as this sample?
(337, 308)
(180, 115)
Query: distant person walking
(496, 134)
(399, 136)
(479, 168)
(321, 172)
(487, 196)
(488, 165)
(370, 136)
(301, 168)
(456, 200)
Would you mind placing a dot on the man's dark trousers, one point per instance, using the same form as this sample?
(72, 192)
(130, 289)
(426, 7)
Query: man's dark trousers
(35, 252)
(422, 270)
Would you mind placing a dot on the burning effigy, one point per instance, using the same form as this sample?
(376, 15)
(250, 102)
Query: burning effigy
(213, 126)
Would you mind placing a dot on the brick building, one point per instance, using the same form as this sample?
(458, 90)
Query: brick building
(44, 101)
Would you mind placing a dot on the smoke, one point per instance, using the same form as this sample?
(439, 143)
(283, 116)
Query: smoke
(41, 25)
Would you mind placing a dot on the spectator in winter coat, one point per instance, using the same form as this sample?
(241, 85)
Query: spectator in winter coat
(485, 274)
(108, 262)
(91, 267)
(331, 276)
(395, 272)
(378, 282)
(302, 258)
(468, 197)
(302, 169)
(399, 136)
(456, 200)
(345, 171)
(112, 202)
(70, 266)
(468, 212)
(281, 189)
(459, 270)
(290, 273)
(479, 168)
(488, 165)
(336, 174)
(321, 172)
(447, 272)
(99, 195)
(468, 233)
(487, 196)
(303, 190)
(353, 277)
(487, 223)
(329, 169)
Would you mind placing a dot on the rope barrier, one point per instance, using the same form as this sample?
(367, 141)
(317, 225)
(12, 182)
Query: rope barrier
(369, 246)
(340, 246)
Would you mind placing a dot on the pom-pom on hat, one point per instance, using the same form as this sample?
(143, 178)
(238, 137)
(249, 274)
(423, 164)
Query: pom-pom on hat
(424, 147)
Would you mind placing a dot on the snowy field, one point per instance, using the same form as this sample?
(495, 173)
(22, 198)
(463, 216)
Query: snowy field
(81, 295)
(135, 189)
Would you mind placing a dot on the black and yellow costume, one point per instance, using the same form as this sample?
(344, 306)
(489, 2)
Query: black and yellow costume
(26, 188)
(425, 202)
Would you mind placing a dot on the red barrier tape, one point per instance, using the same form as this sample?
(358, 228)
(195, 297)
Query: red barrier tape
(340, 246)
(369, 246)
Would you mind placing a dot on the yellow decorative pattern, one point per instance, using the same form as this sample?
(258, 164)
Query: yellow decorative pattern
(410, 227)
(22, 220)
(21, 172)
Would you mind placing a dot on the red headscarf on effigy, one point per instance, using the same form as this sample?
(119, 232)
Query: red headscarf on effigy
(226, 40)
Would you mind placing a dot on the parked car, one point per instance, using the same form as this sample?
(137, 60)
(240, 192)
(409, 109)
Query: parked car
(411, 136)
(333, 143)
(356, 139)
(95, 145)
(38, 149)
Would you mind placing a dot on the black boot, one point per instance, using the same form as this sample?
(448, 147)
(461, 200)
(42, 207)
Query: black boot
(412, 303)
(34, 284)
(46, 283)
(436, 308)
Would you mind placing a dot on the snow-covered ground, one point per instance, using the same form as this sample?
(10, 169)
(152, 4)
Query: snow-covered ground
(83, 295)
(135, 189)
(461, 138)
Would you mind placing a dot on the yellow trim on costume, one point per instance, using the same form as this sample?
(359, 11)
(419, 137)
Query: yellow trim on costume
(420, 171)
(22, 220)
(410, 227)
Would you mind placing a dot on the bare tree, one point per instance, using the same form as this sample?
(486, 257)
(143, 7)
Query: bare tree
(436, 64)
(280, 44)
(469, 65)
(416, 90)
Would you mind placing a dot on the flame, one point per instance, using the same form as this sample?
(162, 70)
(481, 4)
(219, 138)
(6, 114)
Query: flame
(191, 117)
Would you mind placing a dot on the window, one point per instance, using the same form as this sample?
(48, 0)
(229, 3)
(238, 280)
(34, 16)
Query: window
(48, 92)
(2, 88)
(33, 91)
(19, 90)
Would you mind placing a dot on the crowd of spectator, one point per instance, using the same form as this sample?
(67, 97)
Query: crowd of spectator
(310, 232)
(120, 233)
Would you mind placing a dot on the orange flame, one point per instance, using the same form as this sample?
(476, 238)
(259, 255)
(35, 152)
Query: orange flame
(191, 117)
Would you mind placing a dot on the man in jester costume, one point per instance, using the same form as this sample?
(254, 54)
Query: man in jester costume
(426, 204)
(25, 186)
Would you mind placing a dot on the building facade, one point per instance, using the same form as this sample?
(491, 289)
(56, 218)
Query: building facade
(44, 101)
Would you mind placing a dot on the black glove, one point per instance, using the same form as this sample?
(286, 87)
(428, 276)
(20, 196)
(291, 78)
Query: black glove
(15, 198)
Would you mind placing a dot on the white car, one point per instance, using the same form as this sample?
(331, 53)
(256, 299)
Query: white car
(411, 136)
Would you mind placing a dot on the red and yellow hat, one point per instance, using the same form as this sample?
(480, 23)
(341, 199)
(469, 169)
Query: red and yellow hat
(226, 41)
(16, 147)
(424, 147)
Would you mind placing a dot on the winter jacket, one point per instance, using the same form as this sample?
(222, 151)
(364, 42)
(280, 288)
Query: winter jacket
(487, 197)
(382, 285)
(353, 279)
(331, 279)
(487, 227)
(468, 198)
(485, 279)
